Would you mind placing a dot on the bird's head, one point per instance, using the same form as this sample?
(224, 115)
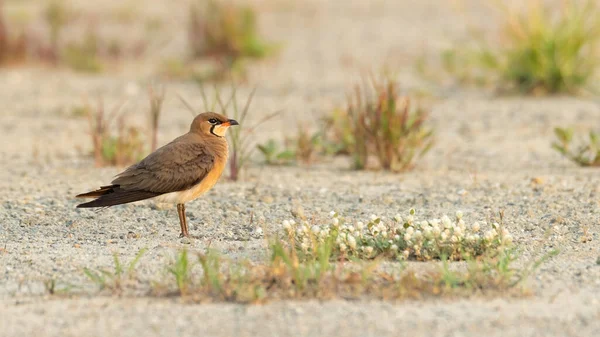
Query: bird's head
(211, 124)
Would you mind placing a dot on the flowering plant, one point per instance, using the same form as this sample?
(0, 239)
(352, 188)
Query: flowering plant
(402, 238)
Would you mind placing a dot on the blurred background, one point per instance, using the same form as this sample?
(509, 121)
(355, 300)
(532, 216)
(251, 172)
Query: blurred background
(113, 80)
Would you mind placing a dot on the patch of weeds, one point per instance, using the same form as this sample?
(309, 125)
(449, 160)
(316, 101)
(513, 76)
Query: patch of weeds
(321, 269)
(275, 155)
(586, 154)
(156, 102)
(12, 49)
(541, 50)
(181, 271)
(126, 146)
(303, 148)
(119, 278)
(88, 54)
(224, 29)
(122, 148)
(381, 122)
(84, 55)
(223, 37)
(54, 287)
(239, 138)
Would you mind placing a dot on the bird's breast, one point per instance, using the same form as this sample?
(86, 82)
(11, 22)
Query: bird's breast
(197, 190)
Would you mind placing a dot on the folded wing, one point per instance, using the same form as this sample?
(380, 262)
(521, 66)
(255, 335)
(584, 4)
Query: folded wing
(174, 167)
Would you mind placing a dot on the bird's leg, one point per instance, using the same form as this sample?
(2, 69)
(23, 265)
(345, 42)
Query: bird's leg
(182, 221)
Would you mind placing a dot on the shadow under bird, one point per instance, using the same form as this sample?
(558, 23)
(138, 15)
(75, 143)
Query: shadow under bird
(178, 172)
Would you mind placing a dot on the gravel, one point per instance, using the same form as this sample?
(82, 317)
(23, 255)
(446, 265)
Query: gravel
(492, 154)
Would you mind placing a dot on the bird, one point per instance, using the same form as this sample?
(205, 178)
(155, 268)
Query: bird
(177, 172)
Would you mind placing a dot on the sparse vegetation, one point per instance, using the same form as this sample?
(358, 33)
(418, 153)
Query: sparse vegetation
(275, 155)
(12, 49)
(88, 54)
(303, 148)
(119, 149)
(222, 37)
(126, 146)
(542, 50)
(586, 154)
(119, 278)
(226, 32)
(181, 271)
(324, 262)
(379, 121)
(156, 103)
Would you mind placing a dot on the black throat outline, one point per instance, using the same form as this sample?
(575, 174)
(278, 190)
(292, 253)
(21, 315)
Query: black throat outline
(212, 131)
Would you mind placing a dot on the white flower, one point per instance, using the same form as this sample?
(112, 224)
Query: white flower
(406, 253)
(342, 247)
(315, 229)
(454, 238)
(424, 224)
(286, 225)
(336, 221)
(489, 235)
(332, 214)
(407, 236)
(418, 234)
(410, 230)
(299, 232)
(446, 221)
(384, 233)
(369, 250)
(476, 227)
(259, 231)
(444, 236)
(507, 239)
(373, 217)
(410, 219)
(396, 237)
(394, 248)
(459, 215)
(350, 228)
(351, 241)
(458, 232)
(436, 231)
(304, 246)
(427, 233)
(461, 223)
(398, 218)
(360, 225)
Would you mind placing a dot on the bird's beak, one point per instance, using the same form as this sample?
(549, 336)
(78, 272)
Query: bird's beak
(230, 123)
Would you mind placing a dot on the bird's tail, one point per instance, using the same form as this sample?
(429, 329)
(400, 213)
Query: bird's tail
(113, 195)
(99, 192)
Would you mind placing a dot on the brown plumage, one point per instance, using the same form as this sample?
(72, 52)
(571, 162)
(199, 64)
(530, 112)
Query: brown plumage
(177, 172)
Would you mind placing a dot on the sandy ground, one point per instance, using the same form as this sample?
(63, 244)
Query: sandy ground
(488, 150)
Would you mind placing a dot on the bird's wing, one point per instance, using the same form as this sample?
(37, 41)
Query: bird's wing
(176, 166)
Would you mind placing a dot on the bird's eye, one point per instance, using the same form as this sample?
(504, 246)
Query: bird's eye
(213, 121)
